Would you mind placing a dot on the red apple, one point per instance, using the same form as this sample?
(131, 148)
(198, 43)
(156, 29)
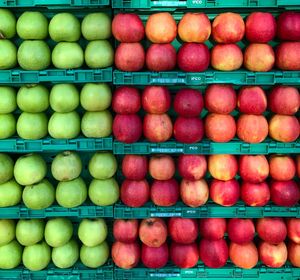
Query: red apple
(194, 193)
(192, 167)
(155, 257)
(260, 27)
(164, 193)
(184, 255)
(130, 57)
(273, 255)
(287, 54)
(161, 57)
(220, 99)
(243, 255)
(153, 232)
(128, 28)
(222, 167)
(135, 193)
(255, 194)
(183, 231)
(212, 228)
(298, 165)
(188, 130)
(282, 168)
(240, 231)
(127, 128)
(214, 253)
(126, 100)
(156, 99)
(225, 193)
(293, 229)
(294, 253)
(125, 230)
(288, 26)
(188, 102)
(161, 167)
(252, 100)
(125, 255)
(285, 193)
(271, 230)
(193, 57)
(157, 128)
(135, 167)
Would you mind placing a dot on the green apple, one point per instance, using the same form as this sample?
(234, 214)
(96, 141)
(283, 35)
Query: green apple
(94, 257)
(99, 54)
(66, 166)
(32, 26)
(7, 126)
(64, 98)
(8, 54)
(37, 257)
(104, 192)
(66, 55)
(71, 193)
(33, 98)
(64, 125)
(10, 255)
(96, 26)
(30, 232)
(58, 232)
(103, 165)
(95, 97)
(6, 168)
(34, 55)
(92, 232)
(97, 124)
(64, 27)
(8, 99)
(10, 193)
(7, 23)
(30, 169)
(39, 195)
(67, 255)
(7, 231)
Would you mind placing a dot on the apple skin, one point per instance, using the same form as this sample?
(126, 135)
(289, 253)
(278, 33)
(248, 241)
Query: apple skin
(128, 28)
(161, 57)
(193, 57)
(253, 169)
(125, 255)
(252, 100)
(259, 57)
(226, 57)
(130, 57)
(184, 255)
(298, 165)
(164, 192)
(126, 230)
(192, 167)
(161, 28)
(285, 193)
(188, 130)
(286, 56)
(155, 257)
(220, 128)
(157, 128)
(8, 231)
(153, 232)
(222, 167)
(243, 255)
(284, 100)
(126, 100)
(284, 128)
(135, 167)
(228, 28)
(273, 255)
(271, 230)
(10, 255)
(194, 193)
(188, 102)
(294, 253)
(156, 99)
(92, 232)
(282, 168)
(161, 167)
(225, 193)
(220, 99)
(135, 193)
(212, 228)
(194, 28)
(183, 230)
(102, 165)
(255, 194)
(260, 27)
(10, 193)
(241, 231)
(94, 257)
(288, 26)
(127, 128)
(214, 253)
(293, 229)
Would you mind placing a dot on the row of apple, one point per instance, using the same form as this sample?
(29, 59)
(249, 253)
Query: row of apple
(36, 242)
(213, 250)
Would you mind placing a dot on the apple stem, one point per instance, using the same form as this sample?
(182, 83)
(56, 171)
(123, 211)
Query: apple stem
(2, 35)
